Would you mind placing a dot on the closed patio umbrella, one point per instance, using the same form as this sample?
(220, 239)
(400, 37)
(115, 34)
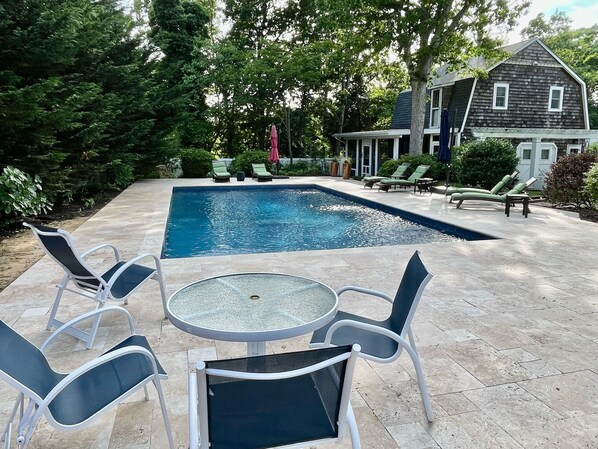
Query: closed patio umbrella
(274, 157)
(444, 151)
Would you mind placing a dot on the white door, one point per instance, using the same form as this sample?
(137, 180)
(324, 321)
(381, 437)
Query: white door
(366, 157)
(538, 168)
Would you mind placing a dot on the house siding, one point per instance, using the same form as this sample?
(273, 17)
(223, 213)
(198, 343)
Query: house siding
(530, 74)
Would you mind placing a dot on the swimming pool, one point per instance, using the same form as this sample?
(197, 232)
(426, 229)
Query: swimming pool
(259, 219)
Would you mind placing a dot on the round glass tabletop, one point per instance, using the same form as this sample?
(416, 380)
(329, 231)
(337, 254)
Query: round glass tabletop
(252, 307)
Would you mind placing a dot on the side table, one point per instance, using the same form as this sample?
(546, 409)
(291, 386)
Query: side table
(522, 198)
(423, 184)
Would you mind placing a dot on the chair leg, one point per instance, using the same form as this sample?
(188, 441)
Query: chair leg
(19, 404)
(158, 276)
(421, 380)
(164, 413)
(61, 287)
(94, 327)
(353, 430)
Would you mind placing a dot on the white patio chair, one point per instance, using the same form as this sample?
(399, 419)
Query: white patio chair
(72, 401)
(383, 341)
(288, 400)
(117, 283)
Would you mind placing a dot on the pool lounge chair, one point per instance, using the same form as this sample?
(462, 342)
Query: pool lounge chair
(419, 172)
(500, 185)
(399, 173)
(260, 172)
(480, 196)
(219, 172)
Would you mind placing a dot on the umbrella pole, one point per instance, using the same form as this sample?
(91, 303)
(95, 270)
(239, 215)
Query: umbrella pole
(446, 182)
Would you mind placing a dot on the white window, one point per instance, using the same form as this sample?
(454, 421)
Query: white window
(501, 96)
(555, 100)
(435, 102)
(574, 148)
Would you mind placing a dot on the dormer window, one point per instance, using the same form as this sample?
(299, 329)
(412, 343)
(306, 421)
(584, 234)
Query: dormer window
(555, 100)
(435, 102)
(501, 96)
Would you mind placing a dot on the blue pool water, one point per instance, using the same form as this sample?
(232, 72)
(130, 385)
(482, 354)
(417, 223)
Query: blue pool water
(219, 221)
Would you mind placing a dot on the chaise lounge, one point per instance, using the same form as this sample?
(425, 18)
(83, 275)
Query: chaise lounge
(500, 185)
(479, 196)
(261, 173)
(399, 173)
(219, 172)
(419, 172)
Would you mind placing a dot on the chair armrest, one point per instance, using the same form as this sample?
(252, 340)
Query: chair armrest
(99, 247)
(87, 316)
(112, 355)
(131, 262)
(364, 290)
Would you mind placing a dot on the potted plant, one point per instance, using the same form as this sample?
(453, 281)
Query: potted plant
(347, 168)
(334, 166)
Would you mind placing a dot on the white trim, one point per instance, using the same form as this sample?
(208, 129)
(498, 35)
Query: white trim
(574, 146)
(475, 84)
(432, 108)
(560, 89)
(534, 133)
(495, 97)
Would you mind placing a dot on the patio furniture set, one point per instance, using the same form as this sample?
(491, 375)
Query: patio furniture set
(516, 194)
(259, 172)
(281, 400)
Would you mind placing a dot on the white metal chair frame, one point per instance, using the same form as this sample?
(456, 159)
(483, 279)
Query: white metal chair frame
(30, 412)
(198, 402)
(99, 293)
(405, 340)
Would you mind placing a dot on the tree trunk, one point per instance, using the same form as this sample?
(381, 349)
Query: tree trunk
(418, 113)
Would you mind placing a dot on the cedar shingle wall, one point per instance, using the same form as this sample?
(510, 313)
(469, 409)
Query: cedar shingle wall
(530, 74)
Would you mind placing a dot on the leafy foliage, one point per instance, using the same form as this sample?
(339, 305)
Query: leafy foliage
(591, 184)
(437, 170)
(76, 89)
(483, 163)
(303, 168)
(565, 183)
(244, 160)
(196, 163)
(21, 195)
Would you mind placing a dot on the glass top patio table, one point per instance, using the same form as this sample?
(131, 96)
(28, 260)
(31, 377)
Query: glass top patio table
(252, 307)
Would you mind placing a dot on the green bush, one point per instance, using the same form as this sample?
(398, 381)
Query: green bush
(591, 184)
(593, 148)
(303, 168)
(482, 163)
(564, 184)
(21, 195)
(244, 160)
(437, 169)
(196, 163)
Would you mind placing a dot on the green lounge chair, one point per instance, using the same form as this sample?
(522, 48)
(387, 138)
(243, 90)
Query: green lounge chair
(419, 172)
(260, 172)
(398, 174)
(478, 196)
(219, 172)
(500, 185)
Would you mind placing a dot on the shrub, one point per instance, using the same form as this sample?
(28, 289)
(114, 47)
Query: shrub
(244, 160)
(437, 169)
(593, 148)
(565, 183)
(303, 168)
(196, 163)
(591, 184)
(482, 163)
(21, 195)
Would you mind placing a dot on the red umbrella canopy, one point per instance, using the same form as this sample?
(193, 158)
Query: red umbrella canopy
(274, 157)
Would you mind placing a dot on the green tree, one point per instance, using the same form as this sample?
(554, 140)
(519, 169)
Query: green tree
(424, 34)
(75, 84)
(178, 28)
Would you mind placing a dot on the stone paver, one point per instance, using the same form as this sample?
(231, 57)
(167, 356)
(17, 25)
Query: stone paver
(506, 329)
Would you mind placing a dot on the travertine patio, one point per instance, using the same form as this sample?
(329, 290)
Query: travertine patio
(506, 329)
